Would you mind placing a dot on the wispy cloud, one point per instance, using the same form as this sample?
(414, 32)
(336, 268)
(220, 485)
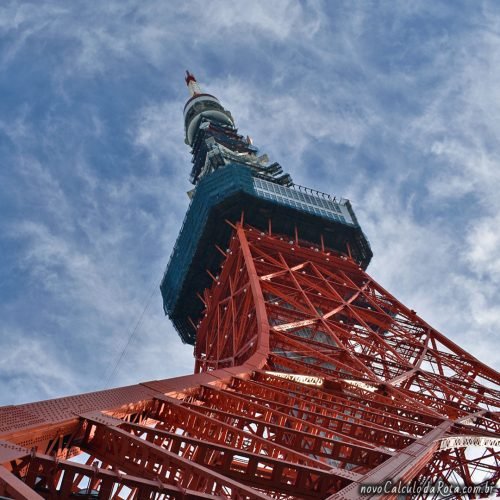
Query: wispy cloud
(34, 370)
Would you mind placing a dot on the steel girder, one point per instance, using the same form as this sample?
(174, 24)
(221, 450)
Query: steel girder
(310, 380)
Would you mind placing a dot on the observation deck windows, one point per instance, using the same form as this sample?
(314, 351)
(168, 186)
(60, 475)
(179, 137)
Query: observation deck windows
(317, 204)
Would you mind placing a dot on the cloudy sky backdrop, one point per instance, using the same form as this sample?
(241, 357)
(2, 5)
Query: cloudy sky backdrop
(394, 105)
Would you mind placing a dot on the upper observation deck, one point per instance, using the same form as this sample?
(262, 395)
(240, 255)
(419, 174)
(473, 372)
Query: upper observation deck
(231, 179)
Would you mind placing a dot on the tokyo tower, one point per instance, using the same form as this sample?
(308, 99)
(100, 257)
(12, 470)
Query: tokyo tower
(311, 381)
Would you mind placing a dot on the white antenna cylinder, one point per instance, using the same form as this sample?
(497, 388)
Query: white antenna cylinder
(194, 88)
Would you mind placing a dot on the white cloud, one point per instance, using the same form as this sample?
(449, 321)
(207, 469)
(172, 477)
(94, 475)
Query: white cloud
(483, 250)
(159, 131)
(33, 369)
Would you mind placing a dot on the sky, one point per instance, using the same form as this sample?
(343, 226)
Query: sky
(393, 105)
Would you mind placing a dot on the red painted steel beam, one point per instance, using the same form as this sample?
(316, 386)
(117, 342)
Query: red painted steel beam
(13, 487)
(252, 469)
(107, 441)
(318, 440)
(390, 388)
(404, 466)
(172, 413)
(46, 469)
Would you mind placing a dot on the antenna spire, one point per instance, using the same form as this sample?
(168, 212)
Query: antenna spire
(192, 84)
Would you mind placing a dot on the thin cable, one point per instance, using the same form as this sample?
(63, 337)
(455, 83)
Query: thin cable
(132, 335)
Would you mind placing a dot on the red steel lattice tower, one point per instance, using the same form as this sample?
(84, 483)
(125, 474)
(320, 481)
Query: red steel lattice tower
(310, 379)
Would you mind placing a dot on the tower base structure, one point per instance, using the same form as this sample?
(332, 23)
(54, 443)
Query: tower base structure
(311, 381)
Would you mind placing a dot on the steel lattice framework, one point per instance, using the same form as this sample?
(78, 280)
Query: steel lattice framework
(312, 379)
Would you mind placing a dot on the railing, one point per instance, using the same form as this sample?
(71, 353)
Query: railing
(315, 192)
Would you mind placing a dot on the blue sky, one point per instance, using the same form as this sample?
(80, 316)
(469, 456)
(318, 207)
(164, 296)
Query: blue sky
(394, 105)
